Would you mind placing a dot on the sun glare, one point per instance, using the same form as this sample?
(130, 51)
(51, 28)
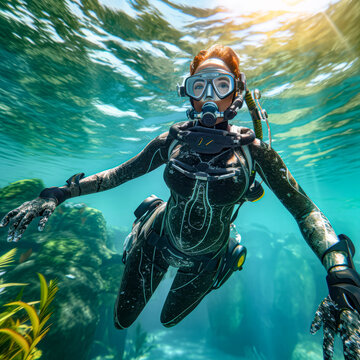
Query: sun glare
(301, 6)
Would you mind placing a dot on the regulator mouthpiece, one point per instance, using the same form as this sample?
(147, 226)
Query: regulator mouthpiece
(209, 114)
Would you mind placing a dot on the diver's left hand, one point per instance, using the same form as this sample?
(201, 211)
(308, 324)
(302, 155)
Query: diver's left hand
(347, 326)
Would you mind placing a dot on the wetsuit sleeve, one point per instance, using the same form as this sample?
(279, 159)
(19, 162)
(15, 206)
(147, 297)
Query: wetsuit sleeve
(150, 158)
(313, 224)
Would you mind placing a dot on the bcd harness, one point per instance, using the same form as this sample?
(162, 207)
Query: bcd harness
(212, 141)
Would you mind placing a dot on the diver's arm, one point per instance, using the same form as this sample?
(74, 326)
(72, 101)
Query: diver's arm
(338, 312)
(151, 157)
(313, 224)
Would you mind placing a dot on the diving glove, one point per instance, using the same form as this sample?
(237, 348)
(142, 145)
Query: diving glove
(22, 216)
(346, 323)
(339, 312)
(44, 205)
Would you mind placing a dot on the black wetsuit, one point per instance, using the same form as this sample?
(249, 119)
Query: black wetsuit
(195, 221)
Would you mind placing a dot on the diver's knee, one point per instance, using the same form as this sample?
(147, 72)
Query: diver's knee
(123, 325)
(121, 321)
(167, 322)
(119, 326)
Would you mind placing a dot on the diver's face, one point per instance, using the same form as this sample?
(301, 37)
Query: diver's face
(222, 104)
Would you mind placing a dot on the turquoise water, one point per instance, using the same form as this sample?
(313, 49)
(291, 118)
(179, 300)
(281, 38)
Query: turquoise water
(84, 85)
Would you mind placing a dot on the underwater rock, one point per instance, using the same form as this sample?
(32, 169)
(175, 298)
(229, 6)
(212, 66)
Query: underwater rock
(16, 193)
(115, 238)
(307, 350)
(243, 301)
(226, 311)
(72, 248)
(295, 294)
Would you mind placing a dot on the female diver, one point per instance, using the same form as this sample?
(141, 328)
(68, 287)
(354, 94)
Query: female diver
(210, 167)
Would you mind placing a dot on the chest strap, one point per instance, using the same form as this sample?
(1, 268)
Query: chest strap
(205, 140)
(202, 171)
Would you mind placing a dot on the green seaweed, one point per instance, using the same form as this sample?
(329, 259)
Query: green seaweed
(20, 334)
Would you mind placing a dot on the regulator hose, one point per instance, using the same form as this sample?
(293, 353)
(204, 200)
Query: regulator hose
(255, 114)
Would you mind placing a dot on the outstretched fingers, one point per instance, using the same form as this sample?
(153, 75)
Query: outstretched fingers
(22, 216)
(328, 344)
(45, 217)
(5, 220)
(14, 225)
(350, 334)
(318, 320)
(326, 316)
(24, 223)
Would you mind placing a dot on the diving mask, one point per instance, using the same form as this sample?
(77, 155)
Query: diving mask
(210, 81)
(218, 81)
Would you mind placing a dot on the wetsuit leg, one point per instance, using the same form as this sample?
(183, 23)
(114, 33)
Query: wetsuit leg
(145, 267)
(187, 291)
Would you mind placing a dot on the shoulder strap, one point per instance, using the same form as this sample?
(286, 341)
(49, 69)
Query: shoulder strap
(171, 147)
(246, 151)
(173, 132)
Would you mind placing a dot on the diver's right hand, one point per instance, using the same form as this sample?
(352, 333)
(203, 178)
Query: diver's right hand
(22, 216)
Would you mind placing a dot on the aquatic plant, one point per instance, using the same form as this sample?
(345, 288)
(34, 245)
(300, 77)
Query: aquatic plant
(5, 261)
(20, 333)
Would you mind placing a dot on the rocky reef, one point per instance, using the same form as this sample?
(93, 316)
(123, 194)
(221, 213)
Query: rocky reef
(72, 249)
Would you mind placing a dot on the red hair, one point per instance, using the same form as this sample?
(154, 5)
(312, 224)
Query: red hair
(225, 53)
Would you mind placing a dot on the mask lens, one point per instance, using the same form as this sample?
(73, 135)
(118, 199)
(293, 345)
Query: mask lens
(223, 85)
(195, 86)
(198, 88)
